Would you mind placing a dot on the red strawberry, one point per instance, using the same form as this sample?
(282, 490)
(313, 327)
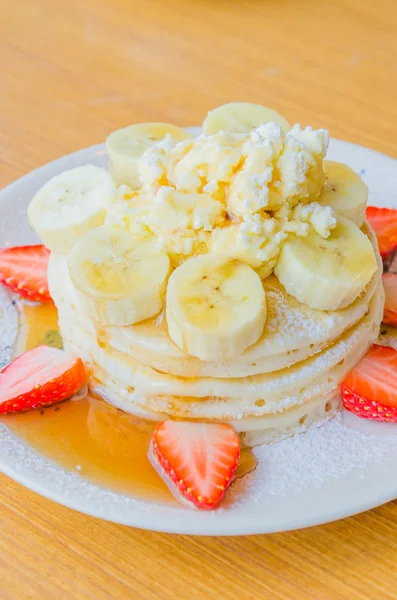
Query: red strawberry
(196, 460)
(24, 270)
(384, 222)
(40, 377)
(370, 389)
(390, 285)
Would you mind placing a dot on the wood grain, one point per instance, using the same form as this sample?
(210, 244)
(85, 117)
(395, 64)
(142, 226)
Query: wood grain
(70, 73)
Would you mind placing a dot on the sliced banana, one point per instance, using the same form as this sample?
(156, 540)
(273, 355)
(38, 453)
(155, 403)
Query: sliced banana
(122, 277)
(344, 191)
(215, 307)
(69, 205)
(241, 117)
(327, 274)
(126, 146)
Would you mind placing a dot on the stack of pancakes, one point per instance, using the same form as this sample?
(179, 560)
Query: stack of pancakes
(282, 384)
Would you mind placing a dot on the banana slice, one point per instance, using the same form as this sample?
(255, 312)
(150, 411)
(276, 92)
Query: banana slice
(122, 277)
(69, 205)
(126, 146)
(241, 117)
(215, 307)
(327, 274)
(344, 191)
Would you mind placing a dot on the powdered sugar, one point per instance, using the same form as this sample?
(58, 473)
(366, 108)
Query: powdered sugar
(307, 461)
(296, 324)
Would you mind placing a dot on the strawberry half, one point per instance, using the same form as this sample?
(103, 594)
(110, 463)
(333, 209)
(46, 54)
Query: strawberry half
(384, 222)
(196, 460)
(370, 389)
(390, 285)
(40, 377)
(24, 270)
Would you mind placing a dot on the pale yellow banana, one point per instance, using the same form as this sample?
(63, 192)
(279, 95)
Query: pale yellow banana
(126, 146)
(344, 191)
(121, 277)
(241, 117)
(215, 307)
(69, 205)
(327, 274)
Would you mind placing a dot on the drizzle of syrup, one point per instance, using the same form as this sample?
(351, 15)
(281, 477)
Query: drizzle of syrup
(101, 443)
(38, 324)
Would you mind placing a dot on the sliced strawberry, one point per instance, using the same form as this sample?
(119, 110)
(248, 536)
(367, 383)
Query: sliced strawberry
(370, 389)
(384, 222)
(196, 460)
(40, 377)
(390, 285)
(24, 270)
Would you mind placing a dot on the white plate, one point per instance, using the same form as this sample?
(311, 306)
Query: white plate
(329, 473)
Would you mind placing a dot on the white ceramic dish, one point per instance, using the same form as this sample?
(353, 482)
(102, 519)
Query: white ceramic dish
(315, 478)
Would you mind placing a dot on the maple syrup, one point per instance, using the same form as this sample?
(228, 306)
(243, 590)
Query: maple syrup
(99, 442)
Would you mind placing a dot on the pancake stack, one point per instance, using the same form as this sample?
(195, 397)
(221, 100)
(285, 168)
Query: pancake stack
(232, 278)
(279, 386)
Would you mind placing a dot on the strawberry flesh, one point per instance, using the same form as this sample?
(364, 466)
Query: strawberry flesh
(384, 222)
(196, 460)
(40, 377)
(370, 389)
(24, 270)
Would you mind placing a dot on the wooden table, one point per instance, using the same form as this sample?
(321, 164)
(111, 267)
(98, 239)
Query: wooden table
(71, 72)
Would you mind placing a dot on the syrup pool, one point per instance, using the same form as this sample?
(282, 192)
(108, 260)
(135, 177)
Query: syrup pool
(102, 444)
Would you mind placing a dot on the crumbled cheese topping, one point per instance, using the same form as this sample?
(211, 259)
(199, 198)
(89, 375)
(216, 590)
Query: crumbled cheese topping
(230, 193)
(321, 217)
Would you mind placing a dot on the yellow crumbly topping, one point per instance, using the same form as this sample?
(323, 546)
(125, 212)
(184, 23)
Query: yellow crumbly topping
(234, 194)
